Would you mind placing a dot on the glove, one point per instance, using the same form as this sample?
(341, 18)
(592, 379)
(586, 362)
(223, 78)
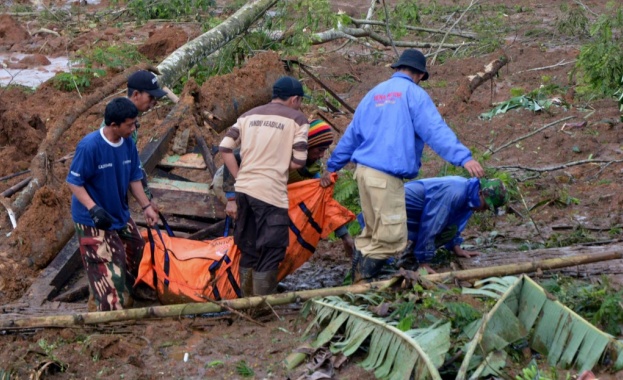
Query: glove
(101, 218)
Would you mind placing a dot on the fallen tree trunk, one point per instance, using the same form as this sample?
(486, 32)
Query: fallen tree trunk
(286, 298)
(471, 83)
(353, 33)
(184, 58)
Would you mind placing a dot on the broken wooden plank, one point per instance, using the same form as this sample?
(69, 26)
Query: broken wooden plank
(55, 275)
(188, 160)
(153, 152)
(206, 152)
(186, 198)
(78, 291)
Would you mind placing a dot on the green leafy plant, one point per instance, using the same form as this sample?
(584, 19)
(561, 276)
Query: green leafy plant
(531, 373)
(170, 9)
(243, 369)
(573, 21)
(346, 192)
(600, 63)
(113, 56)
(597, 302)
(76, 79)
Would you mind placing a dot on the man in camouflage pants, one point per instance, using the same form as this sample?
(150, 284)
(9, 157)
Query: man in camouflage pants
(104, 167)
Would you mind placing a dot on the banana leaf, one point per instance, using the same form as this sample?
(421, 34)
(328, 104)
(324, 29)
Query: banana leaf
(557, 332)
(393, 354)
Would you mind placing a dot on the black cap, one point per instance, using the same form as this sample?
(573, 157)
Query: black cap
(286, 87)
(144, 80)
(413, 58)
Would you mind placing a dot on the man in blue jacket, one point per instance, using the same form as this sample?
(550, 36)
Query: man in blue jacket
(438, 210)
(385, 139)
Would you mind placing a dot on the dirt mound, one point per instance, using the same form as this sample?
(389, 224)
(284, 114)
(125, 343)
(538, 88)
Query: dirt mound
(226, 97)
(11, 32)
(20, 135)
(163, 42)
(49, 209)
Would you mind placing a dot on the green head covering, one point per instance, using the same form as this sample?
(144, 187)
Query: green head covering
(494, 192)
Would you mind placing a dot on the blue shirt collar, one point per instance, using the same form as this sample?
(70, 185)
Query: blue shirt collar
(398, 74)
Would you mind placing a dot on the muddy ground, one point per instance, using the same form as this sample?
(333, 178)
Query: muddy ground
(584, 200)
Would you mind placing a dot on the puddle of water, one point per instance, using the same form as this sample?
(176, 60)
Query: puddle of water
(33, 76)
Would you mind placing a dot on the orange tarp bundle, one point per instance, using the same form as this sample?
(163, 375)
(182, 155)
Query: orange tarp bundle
(183, 270)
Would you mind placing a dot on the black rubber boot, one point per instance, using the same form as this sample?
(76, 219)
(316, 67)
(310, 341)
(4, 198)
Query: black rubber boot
(367, 269)
(246, 281)
(407, 260)
(265, 283)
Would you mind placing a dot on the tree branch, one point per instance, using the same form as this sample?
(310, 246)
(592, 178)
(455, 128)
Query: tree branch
(354, 33)
(530, 134)
(470, 35)
(471, 4)
(557, 167)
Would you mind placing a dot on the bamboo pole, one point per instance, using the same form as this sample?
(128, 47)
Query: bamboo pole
(290, 297)
(526, 267)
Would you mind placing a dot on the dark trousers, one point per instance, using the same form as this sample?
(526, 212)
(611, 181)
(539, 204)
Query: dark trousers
(261, 233)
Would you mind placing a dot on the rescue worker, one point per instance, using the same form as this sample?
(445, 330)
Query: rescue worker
(105, 167)
(385, 139)
(319, 138)
(438, 210)
(273, 140)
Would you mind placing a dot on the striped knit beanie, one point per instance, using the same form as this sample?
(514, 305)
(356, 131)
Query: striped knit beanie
(319, 134)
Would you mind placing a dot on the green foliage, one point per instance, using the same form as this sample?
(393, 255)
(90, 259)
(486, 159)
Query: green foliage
(302, 18)
(531, 373)
(232, 55)
(5, 374)
(578, 236)
(461, 314)
(346, 192)
(535, 101)
(600, 63)
(112, 56)
(597, 302)
(49, 348)
(77, 78)
(143, 10)
(243, 369)
(573, 22)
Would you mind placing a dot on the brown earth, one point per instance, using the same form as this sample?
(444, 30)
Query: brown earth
(156, 348)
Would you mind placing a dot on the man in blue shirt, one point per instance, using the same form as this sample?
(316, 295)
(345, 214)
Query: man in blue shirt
(385, 139)
(438, 210)
(104, 167)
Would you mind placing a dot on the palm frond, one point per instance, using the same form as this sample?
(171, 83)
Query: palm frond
(393, 354)
(563, 336)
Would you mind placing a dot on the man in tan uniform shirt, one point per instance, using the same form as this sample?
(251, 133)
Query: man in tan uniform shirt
(272, 140)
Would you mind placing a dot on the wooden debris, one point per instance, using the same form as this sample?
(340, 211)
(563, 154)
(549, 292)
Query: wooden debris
(286, 298)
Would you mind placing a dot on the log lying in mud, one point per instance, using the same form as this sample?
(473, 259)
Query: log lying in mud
(467, 87)
(183, 59)
(286, 298)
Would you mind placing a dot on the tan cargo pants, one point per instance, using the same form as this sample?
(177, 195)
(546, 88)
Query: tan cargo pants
(382, 198)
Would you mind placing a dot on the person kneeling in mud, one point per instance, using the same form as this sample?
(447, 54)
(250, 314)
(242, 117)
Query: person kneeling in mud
(106, 165)
(438, 210)
(319, 140)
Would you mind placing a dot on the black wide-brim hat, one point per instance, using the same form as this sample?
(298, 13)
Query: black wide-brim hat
(413, 58)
